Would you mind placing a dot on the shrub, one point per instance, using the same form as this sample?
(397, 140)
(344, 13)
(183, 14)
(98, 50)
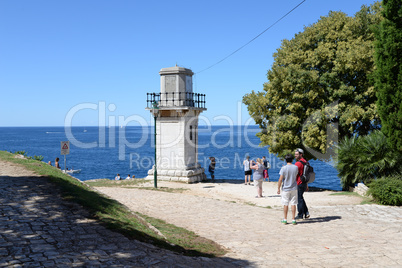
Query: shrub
(21, 153)
(39, 158)
(365, 158)
(387, 190)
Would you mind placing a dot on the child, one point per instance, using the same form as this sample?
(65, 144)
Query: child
(288, 175)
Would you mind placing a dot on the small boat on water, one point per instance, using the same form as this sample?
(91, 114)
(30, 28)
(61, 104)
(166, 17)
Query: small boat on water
(71, 171)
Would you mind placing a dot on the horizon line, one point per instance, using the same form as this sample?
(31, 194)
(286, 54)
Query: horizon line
(254, 125)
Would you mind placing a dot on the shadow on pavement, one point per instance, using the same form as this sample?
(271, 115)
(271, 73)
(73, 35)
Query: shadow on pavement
(277, 195)
(320, 219)
(222, 181)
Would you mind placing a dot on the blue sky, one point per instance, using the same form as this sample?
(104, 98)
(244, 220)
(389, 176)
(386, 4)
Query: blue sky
(63, 59)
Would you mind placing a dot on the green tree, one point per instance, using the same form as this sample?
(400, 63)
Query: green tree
(388, 76)
(319, 83)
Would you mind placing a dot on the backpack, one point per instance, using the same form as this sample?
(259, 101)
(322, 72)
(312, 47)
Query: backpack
(308, 175)
(267, 165)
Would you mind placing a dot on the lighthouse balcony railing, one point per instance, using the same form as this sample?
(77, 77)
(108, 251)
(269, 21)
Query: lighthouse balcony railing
(176, 99)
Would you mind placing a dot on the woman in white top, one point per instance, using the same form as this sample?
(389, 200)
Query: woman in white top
(258, 176)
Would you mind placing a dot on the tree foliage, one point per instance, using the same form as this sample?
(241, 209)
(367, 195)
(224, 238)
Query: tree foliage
(388, 76)
(365, 158)
(319, 85)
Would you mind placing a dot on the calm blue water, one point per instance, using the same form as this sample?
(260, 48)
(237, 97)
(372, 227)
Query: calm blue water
(103, 152)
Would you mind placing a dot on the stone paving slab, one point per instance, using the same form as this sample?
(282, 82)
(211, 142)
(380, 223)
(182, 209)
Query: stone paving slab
(39, 229)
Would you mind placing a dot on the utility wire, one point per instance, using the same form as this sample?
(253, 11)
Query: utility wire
(253, 38)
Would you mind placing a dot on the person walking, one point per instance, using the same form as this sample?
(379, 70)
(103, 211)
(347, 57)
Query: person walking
(288, 183)
(258, 176)
(211, 167)
(247, 170)
(302, 209)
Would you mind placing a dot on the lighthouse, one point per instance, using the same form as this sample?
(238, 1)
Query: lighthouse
(176, 110)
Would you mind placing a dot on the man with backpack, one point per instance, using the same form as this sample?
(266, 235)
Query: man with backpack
(302, 209)
(267, 166)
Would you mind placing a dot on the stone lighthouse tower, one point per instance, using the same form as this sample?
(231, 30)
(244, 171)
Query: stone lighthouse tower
(176, 109)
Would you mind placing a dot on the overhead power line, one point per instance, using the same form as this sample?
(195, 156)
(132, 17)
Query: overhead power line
(272, 25)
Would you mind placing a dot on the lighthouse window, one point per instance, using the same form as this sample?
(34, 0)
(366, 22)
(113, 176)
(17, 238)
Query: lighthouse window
(191, 133)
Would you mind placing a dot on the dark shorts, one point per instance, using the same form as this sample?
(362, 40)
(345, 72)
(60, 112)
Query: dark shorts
(248, 172)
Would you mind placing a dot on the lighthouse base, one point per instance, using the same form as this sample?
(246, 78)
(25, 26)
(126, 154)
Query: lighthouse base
(188, 175)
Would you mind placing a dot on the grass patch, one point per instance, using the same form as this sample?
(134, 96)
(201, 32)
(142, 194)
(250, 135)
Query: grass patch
(132, 184)
(113, 183)
(118, 217)
(250, 204)
(346, 193)
(365, 200)
(165, 189)
(188, 239)
(255, 205)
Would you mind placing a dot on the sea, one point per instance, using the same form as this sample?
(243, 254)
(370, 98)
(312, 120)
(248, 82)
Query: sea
(102, 152)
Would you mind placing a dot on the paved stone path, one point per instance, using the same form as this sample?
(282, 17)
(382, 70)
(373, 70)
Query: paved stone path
(38, 229)
(335, 236)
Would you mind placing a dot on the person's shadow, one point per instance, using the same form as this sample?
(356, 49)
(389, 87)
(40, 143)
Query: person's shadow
(320, 219)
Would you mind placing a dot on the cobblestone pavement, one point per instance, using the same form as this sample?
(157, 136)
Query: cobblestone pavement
(334, 236)
(38, 229)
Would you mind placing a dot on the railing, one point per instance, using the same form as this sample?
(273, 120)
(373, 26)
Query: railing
(176, 99)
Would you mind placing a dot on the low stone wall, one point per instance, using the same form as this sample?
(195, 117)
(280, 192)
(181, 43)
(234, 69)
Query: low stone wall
(361, 189)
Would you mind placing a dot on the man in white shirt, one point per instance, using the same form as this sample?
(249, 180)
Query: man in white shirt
(287, 180)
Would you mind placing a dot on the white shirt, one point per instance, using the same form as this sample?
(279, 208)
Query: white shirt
(246, 164)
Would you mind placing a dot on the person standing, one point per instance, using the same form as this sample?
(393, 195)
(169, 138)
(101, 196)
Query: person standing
(302, 209)
(258, 176)
(267, 166)
(211, 167)
(56, 163)
(288, 183)
(247, 170)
